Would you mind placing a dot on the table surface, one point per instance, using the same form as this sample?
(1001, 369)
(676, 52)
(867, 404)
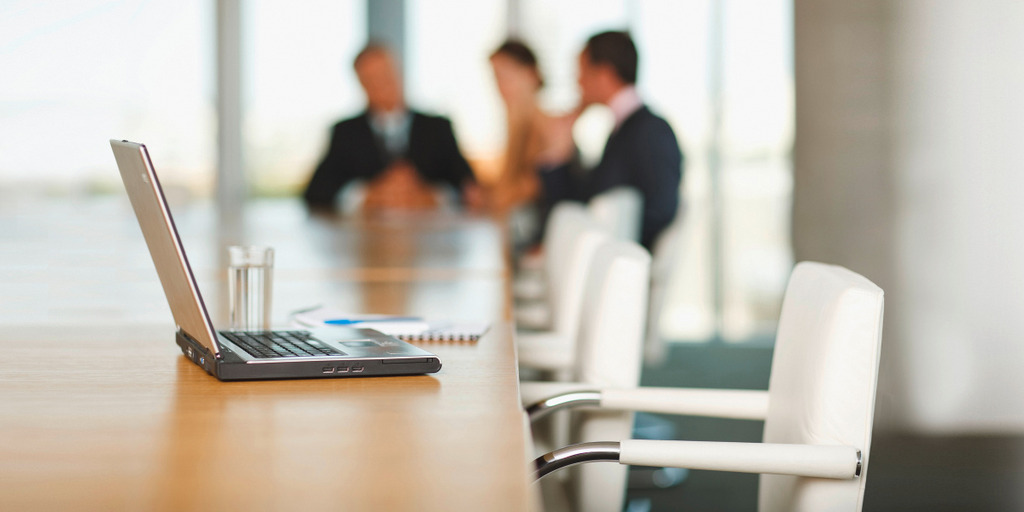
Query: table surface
(101, 411)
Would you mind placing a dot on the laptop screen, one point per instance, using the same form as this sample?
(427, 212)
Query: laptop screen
(165, 247)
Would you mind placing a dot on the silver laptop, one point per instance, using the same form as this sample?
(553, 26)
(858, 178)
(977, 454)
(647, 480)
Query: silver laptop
(242, 355)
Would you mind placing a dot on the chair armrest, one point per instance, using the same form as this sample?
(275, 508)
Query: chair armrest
(715, 403)
(532, 392)
(738, 404)
(821, 461)
(818, 461)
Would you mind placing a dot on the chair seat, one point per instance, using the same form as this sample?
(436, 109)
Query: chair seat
(530, 286)
(534, 316)
(545, 351)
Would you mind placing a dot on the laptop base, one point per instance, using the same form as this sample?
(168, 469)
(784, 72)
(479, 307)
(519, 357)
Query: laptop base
(232, 367)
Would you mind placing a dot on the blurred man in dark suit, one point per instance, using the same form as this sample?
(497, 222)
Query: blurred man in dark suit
(406, 158)
(642, 151)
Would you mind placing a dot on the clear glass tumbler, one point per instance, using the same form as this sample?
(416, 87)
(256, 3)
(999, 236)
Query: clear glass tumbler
(250, 276)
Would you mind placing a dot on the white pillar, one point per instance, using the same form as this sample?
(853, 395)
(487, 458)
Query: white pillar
(908, 168)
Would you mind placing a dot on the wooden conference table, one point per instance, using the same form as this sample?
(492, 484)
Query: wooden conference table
(99, 410)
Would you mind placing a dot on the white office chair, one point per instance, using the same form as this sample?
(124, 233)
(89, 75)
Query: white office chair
(618, 210)
(818, 411)
(532, 281)
(664, 263)
(607, 354)
(554, 348)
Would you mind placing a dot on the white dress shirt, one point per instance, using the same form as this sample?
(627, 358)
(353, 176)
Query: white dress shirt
(624, 104)
(393, 129)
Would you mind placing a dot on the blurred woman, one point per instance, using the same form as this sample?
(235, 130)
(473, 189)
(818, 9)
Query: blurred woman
(526, 181)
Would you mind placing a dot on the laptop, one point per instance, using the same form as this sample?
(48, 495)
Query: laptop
(247, 355)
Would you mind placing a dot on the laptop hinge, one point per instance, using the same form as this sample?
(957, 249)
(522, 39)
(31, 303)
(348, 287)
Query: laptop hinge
(196, 352)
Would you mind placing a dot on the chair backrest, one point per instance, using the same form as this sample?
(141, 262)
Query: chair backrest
(569, 247)
(613, 316)
(665, 260)
(823, 381)
(568, 288)
(566, 220)
(619, 211)
(609, 353)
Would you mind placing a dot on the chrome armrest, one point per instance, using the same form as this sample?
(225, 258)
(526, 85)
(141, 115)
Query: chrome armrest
(717, 403)
(817, 461)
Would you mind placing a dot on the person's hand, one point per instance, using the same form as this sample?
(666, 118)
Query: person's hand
(474, 197)
(399, 187)
(559, 146)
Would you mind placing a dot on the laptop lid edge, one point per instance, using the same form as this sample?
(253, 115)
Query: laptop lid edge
(161, 234)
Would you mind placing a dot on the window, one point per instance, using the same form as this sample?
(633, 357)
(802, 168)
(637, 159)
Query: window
(78, 74)
(447, 71)
(297, 82)
(721, 73)
(755, 177)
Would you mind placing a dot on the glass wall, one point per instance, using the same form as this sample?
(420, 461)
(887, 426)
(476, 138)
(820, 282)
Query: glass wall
(447, 71)
(76, 74)
(756, 138)
(720, 71)
(297, 82)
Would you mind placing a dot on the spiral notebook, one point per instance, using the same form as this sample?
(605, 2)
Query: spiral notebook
(403, 328)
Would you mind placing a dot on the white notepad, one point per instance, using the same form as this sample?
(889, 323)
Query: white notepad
(403, 328)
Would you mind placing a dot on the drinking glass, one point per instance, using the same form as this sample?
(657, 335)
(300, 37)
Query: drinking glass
(250, 276)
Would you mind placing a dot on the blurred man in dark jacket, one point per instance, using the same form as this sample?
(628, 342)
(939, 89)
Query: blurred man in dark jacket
(405, 158)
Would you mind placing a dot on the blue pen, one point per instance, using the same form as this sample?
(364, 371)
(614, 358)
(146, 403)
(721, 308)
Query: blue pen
(351, 321)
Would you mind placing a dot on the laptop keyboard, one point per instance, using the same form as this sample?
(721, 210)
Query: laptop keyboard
(280, 344)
